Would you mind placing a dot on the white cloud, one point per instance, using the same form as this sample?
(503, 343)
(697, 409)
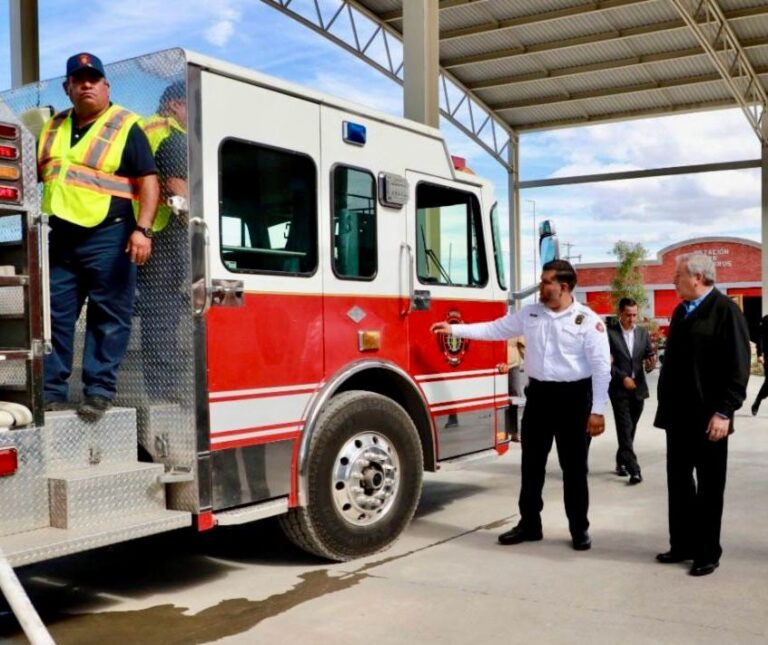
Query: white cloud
(220, 33)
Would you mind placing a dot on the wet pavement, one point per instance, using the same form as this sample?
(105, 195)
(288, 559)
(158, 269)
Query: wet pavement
(446, 580)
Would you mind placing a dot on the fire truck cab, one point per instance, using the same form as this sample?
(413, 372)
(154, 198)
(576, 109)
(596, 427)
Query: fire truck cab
(281, 361)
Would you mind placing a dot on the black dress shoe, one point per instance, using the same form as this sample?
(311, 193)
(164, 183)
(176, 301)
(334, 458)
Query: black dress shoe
(703, 568)
(621, 471)
(520, 534)
(581, 541)
(635, 479)
(672, 557)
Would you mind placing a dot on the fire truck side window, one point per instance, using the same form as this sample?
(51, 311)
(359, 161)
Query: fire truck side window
(449, 237)
(498, 250)
(354, 224)
(267, 209)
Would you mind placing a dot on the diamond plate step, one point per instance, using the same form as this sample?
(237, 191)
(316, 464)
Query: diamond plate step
(73, 443)
(44, 544)
(91, 496)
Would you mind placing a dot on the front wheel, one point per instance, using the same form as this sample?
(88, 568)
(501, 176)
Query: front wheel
(363, 478)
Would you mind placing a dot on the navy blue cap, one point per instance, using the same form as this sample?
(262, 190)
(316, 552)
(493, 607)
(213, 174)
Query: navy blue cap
(174, 92)
(84, 60)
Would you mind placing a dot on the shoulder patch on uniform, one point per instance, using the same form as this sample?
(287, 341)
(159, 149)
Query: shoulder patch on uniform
(599, 326)
(579, 319)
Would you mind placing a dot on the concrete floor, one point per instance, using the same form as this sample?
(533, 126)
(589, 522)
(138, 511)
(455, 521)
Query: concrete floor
(446, 580)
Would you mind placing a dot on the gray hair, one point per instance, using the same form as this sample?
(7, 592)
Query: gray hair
(699, 263)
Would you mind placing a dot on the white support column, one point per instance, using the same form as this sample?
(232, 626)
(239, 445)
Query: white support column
(421, 61)
(513, 174)
(25, 49)
(764, 224)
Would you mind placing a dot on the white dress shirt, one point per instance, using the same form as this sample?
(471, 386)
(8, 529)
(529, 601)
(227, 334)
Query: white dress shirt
(562, 346)
(629, 339)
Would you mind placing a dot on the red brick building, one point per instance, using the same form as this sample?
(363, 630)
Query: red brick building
(737, 262)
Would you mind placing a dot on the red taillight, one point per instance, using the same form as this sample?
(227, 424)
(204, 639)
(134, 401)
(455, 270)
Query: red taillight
(205, 521)
(9, 152)
(8, 131)
(9, 461)
(9, 194)
(459, 163)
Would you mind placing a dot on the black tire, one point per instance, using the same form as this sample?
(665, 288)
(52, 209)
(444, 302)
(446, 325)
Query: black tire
(324, 526)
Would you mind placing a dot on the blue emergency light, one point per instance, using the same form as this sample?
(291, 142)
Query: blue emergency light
(354, 133)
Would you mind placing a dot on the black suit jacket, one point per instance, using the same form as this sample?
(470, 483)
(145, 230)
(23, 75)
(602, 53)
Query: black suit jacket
(706, 365)
(623, 365)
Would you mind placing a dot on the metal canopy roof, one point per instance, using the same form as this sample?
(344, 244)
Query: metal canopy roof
(540, 64)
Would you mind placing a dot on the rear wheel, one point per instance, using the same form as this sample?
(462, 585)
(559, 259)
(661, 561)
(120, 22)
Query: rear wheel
(363, 478)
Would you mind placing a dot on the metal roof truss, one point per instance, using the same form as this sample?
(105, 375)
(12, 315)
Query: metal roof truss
(366, 36)
(707, 21)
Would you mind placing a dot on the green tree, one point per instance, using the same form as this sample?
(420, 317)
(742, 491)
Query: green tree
(628, 280)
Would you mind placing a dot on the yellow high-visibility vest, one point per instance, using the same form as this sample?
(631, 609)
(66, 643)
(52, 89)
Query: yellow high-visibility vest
(79, 181)
(158, 129)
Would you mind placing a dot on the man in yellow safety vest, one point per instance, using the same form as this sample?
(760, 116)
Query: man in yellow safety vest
(100, 188)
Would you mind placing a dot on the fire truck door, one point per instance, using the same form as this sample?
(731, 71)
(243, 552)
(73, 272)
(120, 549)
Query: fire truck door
(452, 279)
(261, 154)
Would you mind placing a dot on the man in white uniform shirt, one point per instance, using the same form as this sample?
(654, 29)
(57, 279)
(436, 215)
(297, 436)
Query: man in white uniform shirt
(568, 365)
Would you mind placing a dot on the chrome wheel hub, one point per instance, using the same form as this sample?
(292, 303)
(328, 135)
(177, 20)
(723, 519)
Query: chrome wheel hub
(365, 478)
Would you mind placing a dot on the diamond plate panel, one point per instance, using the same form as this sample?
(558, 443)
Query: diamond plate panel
(44, 544)
(11, 301)
(92, 496)
(13, 374)
(172, 445)
(72, 443)
(24, 495)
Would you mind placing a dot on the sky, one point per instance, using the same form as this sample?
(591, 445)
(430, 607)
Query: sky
(591, 217)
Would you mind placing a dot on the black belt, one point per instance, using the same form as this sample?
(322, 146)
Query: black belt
(559, 385)
(58, 222)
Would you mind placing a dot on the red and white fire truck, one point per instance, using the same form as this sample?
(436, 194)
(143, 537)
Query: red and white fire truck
(281, 361)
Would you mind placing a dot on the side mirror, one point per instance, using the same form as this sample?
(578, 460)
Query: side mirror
(549, 249)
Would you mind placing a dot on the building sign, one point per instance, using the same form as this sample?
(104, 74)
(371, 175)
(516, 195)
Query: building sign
(718, 255)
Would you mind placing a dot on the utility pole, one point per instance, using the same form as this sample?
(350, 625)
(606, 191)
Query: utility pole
(568, 256)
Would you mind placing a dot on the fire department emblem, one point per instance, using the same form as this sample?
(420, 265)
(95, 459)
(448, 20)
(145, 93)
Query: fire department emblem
(453, 348)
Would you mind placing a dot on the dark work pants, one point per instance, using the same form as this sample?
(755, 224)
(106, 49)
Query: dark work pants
(695, 506)
(89, 263)
(626, 412)
(558, 411)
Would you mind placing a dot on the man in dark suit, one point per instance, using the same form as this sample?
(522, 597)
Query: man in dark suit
(631, 355)
(703, 382)
(762, 348)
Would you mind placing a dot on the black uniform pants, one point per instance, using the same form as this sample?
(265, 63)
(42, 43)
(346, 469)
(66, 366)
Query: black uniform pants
(695, 506)
(626, 412)
(558, 411)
